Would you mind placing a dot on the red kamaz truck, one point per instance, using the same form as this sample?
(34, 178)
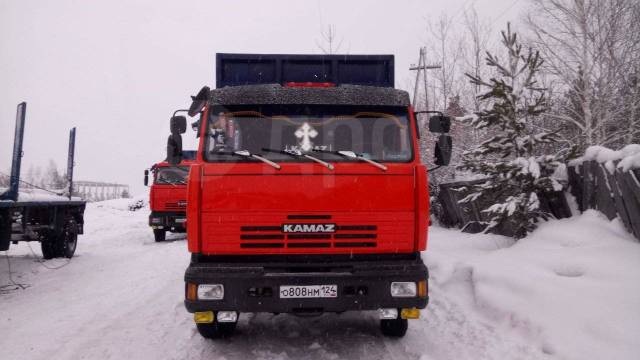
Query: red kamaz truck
(168, 196)
(307, 194)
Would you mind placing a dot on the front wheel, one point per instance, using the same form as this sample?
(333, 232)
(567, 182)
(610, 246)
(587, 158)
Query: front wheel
(159, 234)
(394, 327)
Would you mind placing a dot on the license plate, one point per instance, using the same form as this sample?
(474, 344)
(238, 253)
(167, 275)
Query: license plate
(309, 291)
(180, 220)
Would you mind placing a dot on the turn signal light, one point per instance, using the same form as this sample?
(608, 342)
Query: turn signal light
(192, 291)
(422, 288)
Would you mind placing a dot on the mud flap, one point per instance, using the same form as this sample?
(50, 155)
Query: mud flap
(5, 230)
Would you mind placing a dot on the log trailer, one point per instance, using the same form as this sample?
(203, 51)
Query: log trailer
(53, 220)
(307, 194)
(168, 196)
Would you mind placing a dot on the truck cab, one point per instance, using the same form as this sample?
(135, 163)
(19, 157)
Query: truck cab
(305, 197)
(168, 196)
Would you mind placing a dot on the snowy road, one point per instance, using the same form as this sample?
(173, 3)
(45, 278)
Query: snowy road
(121, 298)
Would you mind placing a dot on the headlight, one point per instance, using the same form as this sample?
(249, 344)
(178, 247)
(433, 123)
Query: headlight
(403, 289)
(210, 291)
(156, 220)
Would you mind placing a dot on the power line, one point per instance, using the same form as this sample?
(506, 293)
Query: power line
(459, 11)
(506, 10)
(32, 185)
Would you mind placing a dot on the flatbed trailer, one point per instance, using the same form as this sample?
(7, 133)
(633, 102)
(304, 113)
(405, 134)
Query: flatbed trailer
(54, 221)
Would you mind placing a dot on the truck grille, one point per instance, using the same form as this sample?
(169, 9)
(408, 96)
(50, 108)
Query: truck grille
(178, 205)
(345, 236)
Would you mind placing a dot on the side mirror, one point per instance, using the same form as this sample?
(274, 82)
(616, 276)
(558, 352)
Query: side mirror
(444, 146)
(199, 101)
(178, 124)
(439, 124)
(174, 149)
(146, 178)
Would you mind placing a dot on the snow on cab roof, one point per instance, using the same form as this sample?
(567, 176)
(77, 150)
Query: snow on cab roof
(338, 95)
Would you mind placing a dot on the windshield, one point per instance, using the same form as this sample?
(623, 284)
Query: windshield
(176, 175)
(378, 133)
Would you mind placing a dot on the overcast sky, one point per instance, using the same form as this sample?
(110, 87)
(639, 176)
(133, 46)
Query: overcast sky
(116, 70)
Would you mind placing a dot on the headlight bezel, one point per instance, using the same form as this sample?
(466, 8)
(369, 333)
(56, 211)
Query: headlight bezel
(403, 289)
(210, 292)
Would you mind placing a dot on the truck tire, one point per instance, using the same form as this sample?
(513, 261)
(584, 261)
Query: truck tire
(5, 230)
(67, 241)
(63, 244)
(216, 330)
(159, 234)
(394, 327)
(47, 246)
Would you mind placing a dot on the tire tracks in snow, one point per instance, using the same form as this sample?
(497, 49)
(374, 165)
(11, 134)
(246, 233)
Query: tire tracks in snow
(122, 298)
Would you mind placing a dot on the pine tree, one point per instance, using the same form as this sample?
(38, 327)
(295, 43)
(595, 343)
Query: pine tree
(516, 174)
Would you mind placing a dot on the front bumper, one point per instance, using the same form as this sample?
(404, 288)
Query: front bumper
(253, 286)
(170, 220)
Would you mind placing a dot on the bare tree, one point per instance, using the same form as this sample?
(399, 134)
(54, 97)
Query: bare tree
(445, 48)
(592, 49)
(329, 44)
(475, 46)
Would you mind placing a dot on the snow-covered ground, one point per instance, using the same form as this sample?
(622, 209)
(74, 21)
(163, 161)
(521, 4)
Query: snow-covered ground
(569, 291)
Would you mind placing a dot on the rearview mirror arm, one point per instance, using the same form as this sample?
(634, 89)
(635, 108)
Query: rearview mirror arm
(428, 112)
(179, 110)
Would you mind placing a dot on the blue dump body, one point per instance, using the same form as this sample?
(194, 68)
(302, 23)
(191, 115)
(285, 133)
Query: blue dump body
(251, 69)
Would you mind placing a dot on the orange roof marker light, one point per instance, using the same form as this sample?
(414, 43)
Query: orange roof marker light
(310, 84)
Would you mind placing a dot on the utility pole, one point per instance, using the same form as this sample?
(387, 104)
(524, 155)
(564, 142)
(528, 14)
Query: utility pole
(422, 67)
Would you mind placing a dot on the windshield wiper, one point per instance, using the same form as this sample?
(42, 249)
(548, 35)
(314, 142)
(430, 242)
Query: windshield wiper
(248, 154)
(352, 155)
(300, 154)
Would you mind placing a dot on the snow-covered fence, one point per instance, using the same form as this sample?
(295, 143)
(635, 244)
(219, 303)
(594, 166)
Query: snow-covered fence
(602, 179)
(609, 181)
(99, 191)
(469, 216)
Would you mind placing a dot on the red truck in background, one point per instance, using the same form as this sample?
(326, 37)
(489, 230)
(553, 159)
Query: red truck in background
(168, 196)
(307, 194)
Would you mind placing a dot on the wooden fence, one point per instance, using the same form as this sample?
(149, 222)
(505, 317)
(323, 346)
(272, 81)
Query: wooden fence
(469, 216)
(614, 192)
(610, 190)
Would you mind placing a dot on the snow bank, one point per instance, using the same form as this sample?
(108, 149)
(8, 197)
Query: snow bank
(572, 286)
(629, 157)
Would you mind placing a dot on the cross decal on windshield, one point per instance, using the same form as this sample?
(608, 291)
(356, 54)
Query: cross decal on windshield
(306, 133)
